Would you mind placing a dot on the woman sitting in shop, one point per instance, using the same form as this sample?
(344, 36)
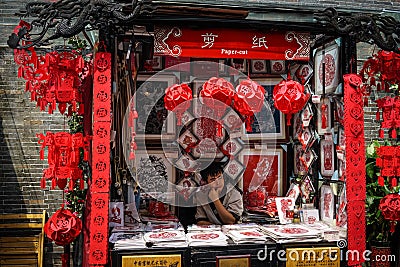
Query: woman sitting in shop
(217, 203)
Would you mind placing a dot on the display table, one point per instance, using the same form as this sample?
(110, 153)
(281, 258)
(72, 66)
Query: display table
(257, 254)
(254, 255)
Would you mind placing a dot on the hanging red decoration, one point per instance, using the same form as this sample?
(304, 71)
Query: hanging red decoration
(388, 162)
(177, 99)
(289, 98)
(381, 71)
(217, 93)
(390, 207)
(248, 99)
(63, 227)
(390, 107)
(355, 165)
(63, 158)
(53, 78)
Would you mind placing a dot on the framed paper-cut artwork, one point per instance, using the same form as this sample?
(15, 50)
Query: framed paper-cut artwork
(265, 168)
(156, 63)
(154, 172)
(278, 66)
(259, 66)
(324, 122)
(299, 167)
(233, 260)
(269, 123)
(327, 56)
(327, 149)
(153, 119)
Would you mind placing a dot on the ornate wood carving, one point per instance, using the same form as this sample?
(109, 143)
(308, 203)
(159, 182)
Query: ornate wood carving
(370, 28)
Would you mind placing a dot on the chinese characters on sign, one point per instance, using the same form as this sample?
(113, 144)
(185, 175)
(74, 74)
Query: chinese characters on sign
(222, 43)
(173, 260)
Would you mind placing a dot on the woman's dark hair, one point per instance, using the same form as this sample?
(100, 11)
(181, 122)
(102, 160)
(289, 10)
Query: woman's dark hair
(213, 169)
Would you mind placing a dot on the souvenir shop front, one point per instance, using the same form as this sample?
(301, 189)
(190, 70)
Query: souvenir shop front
(271, 96)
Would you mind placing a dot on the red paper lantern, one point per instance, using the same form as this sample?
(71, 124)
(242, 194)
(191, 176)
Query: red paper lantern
(289, 98)
(63, 227)
(177, 99)
(217, 93)
(390, 208)
(249, 99)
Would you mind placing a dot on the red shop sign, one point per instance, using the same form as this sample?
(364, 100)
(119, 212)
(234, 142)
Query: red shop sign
(231, 43)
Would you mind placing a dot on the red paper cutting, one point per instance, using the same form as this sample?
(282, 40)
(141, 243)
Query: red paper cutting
(63, 158)
(355, 166)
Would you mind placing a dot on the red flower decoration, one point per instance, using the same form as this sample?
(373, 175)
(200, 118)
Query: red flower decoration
(390, 207)
(63, 227)
(249, 99)
(177, 99)
(289, 98)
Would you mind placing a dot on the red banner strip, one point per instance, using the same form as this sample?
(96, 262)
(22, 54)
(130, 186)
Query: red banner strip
(355, 167)
(98, 231)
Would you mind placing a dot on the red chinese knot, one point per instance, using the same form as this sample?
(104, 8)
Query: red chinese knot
(63, 227)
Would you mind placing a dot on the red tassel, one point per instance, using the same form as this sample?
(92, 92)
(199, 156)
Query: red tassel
(53, 183)
(43, 183)
(86, 155)
(378, 115)
(392, 226)
(394, 133)
(381, 133)
(381, 181)
(219, 130)
(81, 109)
(134, 114)
(81, 184)
(394, 182)
(365, 101)
(71, 184)
(132, 155)
(64, 259)
(133, 145)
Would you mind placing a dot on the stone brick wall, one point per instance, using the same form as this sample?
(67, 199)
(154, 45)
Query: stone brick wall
(21, 120)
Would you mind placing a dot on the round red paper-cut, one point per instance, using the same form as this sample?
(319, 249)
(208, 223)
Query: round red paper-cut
(63, 227)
